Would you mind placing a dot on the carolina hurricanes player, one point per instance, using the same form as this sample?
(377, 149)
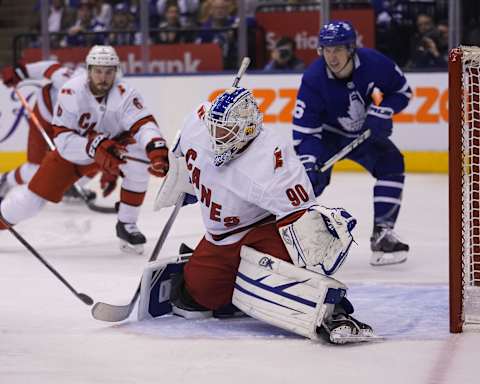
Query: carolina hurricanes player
(256, 203)
(46, 98)
(97, 119)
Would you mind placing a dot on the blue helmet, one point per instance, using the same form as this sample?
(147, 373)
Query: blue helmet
(337, 32)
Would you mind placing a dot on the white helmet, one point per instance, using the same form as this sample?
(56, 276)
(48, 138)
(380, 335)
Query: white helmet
(232, 121)
(102, 55)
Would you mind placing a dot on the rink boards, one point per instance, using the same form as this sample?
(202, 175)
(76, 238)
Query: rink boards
(420, 130)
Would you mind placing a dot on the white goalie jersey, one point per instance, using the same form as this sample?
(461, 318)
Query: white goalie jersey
(78, 113)
(266, 182)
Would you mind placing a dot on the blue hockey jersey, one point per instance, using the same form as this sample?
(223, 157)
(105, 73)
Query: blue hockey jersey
(340, 105)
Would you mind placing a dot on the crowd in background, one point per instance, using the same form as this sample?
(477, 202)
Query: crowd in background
(422, 25)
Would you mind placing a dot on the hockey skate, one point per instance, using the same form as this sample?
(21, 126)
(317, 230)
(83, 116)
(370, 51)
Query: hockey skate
(386, 247)
(72, 196)
(341, 328)
(131, 239)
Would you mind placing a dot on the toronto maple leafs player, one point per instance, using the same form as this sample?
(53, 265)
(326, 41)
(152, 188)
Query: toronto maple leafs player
(334, 106)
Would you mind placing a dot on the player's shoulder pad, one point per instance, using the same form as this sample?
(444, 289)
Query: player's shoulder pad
(315, 76)
(315, 70)
(193, 127)
(371, 56)
(71, 91)
(194, 120)
(201, 110)
(269, 155)
(123, 89)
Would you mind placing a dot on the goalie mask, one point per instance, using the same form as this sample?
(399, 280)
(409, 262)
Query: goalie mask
(232, 121)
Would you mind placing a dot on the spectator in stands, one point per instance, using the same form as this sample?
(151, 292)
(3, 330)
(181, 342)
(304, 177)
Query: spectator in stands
(102, 12)
(283, 56)
(122, 26)
(187, 9)
(442, 28)
(424, 51)
(171, 20)
(472, 36)
(206, 6)
(84, 23)
(219, 17)
(60, 17)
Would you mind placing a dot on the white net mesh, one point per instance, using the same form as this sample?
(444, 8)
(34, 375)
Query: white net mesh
(471, 184)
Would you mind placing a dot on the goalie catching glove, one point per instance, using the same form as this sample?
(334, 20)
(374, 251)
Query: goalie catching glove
(320, 237)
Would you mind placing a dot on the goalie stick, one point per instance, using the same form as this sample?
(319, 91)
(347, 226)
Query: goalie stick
(81, 296)
(243, 67)
(51, 146)
(114, 313)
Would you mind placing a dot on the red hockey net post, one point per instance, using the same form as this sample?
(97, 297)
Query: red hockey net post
(464, 187)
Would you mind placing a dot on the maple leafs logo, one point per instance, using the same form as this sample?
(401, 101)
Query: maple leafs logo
(356, 114)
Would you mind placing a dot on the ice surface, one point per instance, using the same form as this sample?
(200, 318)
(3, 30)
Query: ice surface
(49, 336)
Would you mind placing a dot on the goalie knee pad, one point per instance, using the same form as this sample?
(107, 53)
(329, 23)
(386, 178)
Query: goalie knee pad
(281, 294)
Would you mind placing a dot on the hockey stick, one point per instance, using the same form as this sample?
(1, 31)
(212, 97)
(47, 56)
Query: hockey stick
(345, 150)
(135, 159)
(243, 67)
(81, 296)
(114, 313)
(52, 147)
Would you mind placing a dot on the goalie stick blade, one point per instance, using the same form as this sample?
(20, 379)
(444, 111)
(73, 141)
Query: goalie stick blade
(112, 313)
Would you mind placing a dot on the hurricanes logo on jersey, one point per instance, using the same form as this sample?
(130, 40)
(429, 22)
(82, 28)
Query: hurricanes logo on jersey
(277, 154)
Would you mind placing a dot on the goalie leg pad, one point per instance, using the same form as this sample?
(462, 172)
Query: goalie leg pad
(320, 237)
(277, 292)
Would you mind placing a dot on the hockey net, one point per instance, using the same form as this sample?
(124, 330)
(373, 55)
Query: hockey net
(464, 187)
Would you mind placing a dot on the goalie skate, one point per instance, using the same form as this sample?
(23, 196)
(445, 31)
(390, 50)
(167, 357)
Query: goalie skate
(342, 329)
(131, 239)
(387, 249)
